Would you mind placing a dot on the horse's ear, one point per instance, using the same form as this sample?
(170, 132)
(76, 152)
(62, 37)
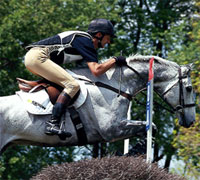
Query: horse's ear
(191, 66)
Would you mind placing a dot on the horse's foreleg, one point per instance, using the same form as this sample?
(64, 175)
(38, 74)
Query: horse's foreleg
(138, 127)
(130, 128)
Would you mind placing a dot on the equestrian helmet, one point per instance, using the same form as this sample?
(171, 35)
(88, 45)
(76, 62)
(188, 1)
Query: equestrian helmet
(101, 25)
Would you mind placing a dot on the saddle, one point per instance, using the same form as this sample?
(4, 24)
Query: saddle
(52, 89)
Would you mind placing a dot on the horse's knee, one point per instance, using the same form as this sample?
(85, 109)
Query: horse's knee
(110, 134)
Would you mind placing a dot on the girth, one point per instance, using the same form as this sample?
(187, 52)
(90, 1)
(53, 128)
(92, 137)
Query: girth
(79, 127)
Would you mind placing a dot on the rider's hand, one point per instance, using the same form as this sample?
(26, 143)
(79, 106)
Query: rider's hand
(120, 60)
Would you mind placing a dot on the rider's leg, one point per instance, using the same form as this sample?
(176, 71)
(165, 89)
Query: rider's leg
(37, 60)
(53, 125)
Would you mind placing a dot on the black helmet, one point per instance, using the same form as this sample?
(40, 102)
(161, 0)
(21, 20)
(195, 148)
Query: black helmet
(101, 25)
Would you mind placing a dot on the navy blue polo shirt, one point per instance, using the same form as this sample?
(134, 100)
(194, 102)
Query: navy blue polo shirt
(85, 48)
(80, 46)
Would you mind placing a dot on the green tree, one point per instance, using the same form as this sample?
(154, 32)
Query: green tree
(187, 141)
(24, 22)
(146, 29)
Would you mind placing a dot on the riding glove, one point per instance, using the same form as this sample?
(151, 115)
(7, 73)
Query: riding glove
(120, 60)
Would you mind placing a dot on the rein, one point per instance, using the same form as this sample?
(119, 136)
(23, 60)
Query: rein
(182, 104)
(171, 111)
(100, 84)
(130, 97)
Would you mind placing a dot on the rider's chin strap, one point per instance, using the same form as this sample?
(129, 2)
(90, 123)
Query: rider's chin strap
(99, 44)
(99, 40)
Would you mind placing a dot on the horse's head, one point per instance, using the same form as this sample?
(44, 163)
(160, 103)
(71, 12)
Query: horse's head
(181, 97)
(171, 81)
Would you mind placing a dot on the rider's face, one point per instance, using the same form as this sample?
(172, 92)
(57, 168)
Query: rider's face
(105, 40)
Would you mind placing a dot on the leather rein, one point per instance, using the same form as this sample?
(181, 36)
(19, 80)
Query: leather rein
(130, 97)
(182, 104)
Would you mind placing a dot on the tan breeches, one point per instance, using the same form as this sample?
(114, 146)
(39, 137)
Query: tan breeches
(37, 61)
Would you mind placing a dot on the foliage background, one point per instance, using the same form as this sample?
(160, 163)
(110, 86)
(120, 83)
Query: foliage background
(167, 28)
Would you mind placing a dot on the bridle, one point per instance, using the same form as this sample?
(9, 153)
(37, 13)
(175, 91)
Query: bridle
(182, 104)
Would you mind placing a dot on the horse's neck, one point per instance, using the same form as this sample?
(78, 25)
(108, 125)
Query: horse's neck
(165, 77)
(113, 77)
(165, 72)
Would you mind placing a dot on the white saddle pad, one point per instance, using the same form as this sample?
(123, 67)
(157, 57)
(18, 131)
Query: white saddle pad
(38, 103)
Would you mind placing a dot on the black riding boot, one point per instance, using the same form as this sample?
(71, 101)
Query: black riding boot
(53, 125)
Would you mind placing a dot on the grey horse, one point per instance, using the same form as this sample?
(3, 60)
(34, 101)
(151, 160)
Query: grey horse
(104, 112)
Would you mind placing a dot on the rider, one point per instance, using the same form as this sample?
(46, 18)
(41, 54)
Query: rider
(45, 56)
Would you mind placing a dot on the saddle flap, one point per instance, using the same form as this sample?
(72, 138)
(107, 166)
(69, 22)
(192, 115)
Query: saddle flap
(39, 103)
(34, 89)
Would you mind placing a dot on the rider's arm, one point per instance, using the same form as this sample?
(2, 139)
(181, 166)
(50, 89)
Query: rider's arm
(86, 48)
(99, 69)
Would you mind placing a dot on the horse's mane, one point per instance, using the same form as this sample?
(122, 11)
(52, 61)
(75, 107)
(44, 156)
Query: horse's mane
(145, 59)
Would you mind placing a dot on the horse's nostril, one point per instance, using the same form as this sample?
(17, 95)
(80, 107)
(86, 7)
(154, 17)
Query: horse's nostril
(189, 88)
(179, 108)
